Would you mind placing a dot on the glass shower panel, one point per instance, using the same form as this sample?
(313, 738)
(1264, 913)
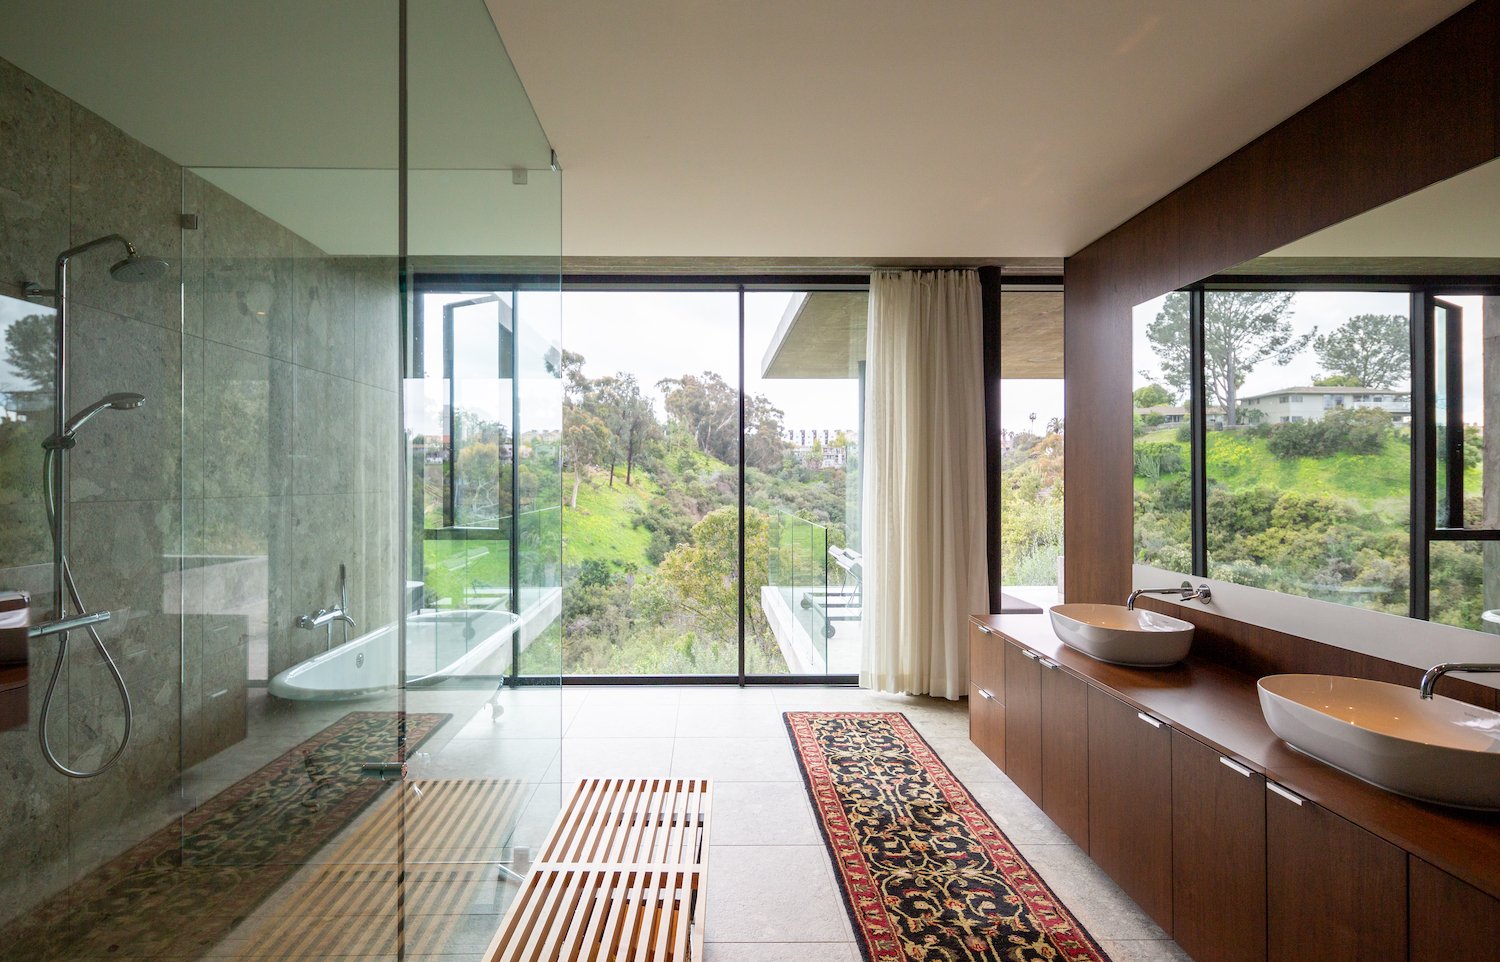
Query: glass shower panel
(319, 765)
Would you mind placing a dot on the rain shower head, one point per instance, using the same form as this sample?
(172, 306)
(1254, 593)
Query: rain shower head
(121, 401)
(137, 269)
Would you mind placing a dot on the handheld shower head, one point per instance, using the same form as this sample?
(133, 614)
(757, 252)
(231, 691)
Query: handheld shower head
(120, 401)
(138, 268)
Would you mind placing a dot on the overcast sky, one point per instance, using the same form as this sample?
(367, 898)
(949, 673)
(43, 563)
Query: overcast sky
(1325, 311)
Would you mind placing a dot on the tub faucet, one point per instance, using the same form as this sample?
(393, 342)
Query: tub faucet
(1430, 679)
(327, 616)
(1186, 593)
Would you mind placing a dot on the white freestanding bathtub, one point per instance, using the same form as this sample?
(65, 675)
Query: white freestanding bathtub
(439, 645)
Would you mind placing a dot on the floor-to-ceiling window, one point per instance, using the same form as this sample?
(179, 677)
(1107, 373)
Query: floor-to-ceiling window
(710, 445)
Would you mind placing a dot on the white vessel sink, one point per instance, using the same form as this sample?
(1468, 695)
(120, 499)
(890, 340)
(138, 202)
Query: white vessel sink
(1120, 636)
(1438, 749)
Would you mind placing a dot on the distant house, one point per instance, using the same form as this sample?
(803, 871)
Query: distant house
(1294, 404)
(1172, 414)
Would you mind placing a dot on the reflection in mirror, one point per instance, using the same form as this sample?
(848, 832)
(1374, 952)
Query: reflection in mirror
(1163, 439)
(1320, 419)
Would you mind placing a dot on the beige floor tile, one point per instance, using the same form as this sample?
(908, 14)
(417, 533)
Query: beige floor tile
(736, 759)
(613, 719)
(763, 813)
(1094, 899)
(774, 893)
(611, 758)
(1144, 950)
(730, 721)
(780, 952)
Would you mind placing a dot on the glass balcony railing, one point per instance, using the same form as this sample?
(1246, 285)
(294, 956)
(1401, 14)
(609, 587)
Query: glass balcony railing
(815, 585)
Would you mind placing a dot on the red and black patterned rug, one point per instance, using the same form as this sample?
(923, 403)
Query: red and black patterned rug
(179, 891)
(924, 872)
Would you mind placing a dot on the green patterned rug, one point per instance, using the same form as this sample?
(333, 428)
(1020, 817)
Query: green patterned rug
(181, 890)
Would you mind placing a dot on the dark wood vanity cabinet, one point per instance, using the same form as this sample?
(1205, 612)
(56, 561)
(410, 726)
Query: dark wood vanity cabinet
(1130, 802)
(1065, 752)
(1218, 855)
(1450, 919)
(1335, 892)
(1023, 721)
(1235, 866)
(1044, 711)
(987, 692)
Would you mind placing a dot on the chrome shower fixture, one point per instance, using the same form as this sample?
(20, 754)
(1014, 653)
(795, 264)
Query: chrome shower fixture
(133, 269)
(121, 401)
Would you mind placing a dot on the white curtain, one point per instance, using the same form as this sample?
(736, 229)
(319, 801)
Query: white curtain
(924, 501)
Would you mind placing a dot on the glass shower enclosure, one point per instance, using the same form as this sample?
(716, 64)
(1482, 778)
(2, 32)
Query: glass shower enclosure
(319, 496)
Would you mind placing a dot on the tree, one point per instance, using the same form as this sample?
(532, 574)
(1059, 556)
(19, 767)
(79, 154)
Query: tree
(1153, 395)
(31, 348)
(700, 575)
(1368, 350)
(586, 442)
(1241, 330)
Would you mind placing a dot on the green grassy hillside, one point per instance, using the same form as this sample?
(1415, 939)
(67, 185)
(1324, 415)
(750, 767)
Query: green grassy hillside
(601, 528)
(1238, 461)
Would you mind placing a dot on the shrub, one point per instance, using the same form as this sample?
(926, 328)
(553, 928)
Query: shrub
(1157, 458)
(1342, 431)
(1185, 433)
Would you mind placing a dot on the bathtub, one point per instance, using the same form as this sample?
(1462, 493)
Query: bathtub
(439, 645)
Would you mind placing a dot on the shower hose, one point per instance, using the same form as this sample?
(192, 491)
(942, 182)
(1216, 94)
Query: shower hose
(62, 650)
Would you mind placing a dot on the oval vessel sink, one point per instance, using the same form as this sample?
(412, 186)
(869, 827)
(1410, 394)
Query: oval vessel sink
(1120, 636)
(1437, 750)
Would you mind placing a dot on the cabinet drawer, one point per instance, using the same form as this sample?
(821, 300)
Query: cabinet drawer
(1023, 721)
(1218, 855)
(1335, 892)
(1130, 802)
(1450, 919)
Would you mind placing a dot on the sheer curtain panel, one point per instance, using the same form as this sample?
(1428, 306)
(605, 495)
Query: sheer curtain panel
(924, 512)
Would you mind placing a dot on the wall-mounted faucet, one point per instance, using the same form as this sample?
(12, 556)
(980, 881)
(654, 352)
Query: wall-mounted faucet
(1185, 593)
(325, 617)
(1430, 679)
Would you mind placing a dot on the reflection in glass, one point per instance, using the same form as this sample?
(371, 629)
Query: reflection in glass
(1309, 443)
(1163, 437)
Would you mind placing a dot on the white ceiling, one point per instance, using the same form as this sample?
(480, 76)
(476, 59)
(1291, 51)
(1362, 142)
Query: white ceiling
(1454, 218)
(949, 128)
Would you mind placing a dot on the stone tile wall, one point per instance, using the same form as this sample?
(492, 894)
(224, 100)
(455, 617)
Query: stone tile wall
(264, 456)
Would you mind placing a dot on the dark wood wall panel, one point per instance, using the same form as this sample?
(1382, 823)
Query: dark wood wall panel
(1426, 112)
(1257, 651)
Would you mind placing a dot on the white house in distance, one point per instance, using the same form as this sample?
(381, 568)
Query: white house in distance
(1293, 404)
(1174, 414)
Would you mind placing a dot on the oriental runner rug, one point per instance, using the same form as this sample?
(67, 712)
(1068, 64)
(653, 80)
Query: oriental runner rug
(179, 891)
(925, 873)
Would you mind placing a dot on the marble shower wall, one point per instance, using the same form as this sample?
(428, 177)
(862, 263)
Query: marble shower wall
(264, 456)
(289, 366)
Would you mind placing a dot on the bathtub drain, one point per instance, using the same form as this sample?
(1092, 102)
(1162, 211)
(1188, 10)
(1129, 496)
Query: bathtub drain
(359, 660)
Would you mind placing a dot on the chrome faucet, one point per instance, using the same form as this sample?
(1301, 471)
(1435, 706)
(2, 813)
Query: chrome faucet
(327, 616)
(1185, 593)
(1430, 679)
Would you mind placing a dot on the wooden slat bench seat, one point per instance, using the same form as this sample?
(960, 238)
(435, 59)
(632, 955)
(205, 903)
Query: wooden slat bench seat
(620, 877)
(401, 878)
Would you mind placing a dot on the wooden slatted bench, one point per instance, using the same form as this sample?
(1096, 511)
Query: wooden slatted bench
(621, 876)
(424, 846)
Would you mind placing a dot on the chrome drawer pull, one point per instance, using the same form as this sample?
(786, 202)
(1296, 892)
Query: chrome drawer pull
(1285, 793)
(1030, 654)
(1153, 722)
(1235, 767)
(985, 693)
(1046, 663)
(983, 630)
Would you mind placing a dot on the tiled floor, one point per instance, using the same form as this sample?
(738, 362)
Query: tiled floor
(773, 895)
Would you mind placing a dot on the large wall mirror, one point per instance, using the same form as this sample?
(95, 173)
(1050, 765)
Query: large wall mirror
(1324, 420)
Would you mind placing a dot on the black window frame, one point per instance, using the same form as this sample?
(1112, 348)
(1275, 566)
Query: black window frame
(742, 283)
(1424, 293)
